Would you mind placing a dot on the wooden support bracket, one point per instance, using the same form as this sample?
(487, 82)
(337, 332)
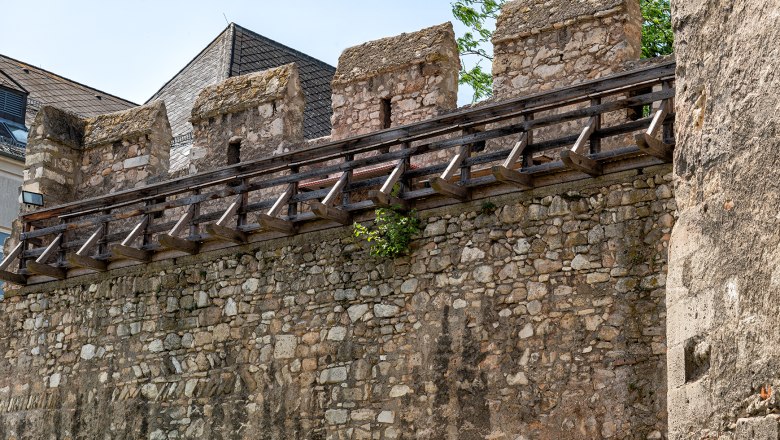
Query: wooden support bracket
(507, 173)
(6, 275)
(647, 141)
(384, 197)
(124, 250)
(170, 240)
(219, 229)
(40, 267)
(577, 158)
(81, 258)
(326, 210)
(271, 221)
(443, 186)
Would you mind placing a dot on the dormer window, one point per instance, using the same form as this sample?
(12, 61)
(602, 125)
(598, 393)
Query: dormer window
(13, 105)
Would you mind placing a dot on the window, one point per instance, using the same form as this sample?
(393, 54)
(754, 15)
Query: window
(12, 105)
(234, 152)
(3, 236)
(384, 113)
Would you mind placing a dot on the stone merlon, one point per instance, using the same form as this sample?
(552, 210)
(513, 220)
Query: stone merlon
(60, 126)
(431, 45)
(520, 18)
(246, 91)
(137, 121)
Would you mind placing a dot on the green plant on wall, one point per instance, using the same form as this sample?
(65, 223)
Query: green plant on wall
(391, 233)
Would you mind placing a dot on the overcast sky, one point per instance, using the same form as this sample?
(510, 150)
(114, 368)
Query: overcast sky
(131, 48)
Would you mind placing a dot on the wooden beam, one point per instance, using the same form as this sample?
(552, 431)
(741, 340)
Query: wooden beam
(86, 262)
(13, 278)
(395, 176)
(387, 201)
(513, 177)
(517, 152)
(448, 189)
(46, 269)
(456, 162)
(231, 211)
(131, 253)
(658, 119)
(179, 244)
(330, 199)
(183, 221)
(275, 224)
(652, 146)
(324, 211)
(226, 233)
(11, 256)
(582, 163)
(50, 249)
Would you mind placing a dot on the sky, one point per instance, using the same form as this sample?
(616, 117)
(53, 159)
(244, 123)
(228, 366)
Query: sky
(131, 48)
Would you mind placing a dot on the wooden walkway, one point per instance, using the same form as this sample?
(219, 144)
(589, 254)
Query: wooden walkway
(608, 125)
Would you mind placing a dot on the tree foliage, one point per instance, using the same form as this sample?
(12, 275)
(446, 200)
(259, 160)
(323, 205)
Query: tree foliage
(478, 16)
(392, 232)
(657, 36)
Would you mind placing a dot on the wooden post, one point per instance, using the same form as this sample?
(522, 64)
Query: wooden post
(595, 140)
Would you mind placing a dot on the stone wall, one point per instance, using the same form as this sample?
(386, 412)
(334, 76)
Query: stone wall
(395, 81)
(723, 330)
(540, 45)
(538, 315)
(263, 111)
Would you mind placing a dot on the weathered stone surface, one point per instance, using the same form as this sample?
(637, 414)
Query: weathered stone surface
(723, 269)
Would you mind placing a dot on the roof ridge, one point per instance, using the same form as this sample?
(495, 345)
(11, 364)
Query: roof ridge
(53, 75)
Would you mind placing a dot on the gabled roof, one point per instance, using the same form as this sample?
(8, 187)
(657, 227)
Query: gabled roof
(49, 88)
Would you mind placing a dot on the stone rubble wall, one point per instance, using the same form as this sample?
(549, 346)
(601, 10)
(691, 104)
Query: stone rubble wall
(417, 72)
(722, 296)
(534, 315)
(264, 110)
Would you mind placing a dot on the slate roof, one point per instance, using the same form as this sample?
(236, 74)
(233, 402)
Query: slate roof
(253, 52)
(45, 87)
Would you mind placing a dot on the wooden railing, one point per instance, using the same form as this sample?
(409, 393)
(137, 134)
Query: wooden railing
(616, 123)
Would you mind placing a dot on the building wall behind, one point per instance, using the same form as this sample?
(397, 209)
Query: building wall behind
(541, 317)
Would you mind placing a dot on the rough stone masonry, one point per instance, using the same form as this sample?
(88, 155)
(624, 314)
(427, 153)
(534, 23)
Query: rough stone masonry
(540, 318)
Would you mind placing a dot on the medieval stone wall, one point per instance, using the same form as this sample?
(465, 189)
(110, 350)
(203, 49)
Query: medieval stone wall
(540, 316)
(723, 331)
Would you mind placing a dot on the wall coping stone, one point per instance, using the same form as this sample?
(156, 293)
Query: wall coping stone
(58, 125)
(435, 44)
(245, 91)
(522, 18)
(127, 124)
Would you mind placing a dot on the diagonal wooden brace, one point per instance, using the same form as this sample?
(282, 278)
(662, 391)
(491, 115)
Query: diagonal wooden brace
(170, 240)
(326, 210)
(124, 250)
(40, 267)
(577, 158)
(82, 259)
(443, 186)
(220, 230)
(647, 141)
(271, 221)
(507, 173)
(6, 275)
(384, 197)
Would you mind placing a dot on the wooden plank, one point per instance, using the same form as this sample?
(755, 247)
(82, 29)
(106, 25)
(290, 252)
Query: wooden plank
(582, 163)
(275, 224)
(179, 244)
(226, 233)
(39, 268)
(448, 189)
(506, 175)
(387, 201)
(324, 211)
(444, 123)
(86, 262)
(11, 256)
(127, 252)
(654, 147)
(13, 278)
